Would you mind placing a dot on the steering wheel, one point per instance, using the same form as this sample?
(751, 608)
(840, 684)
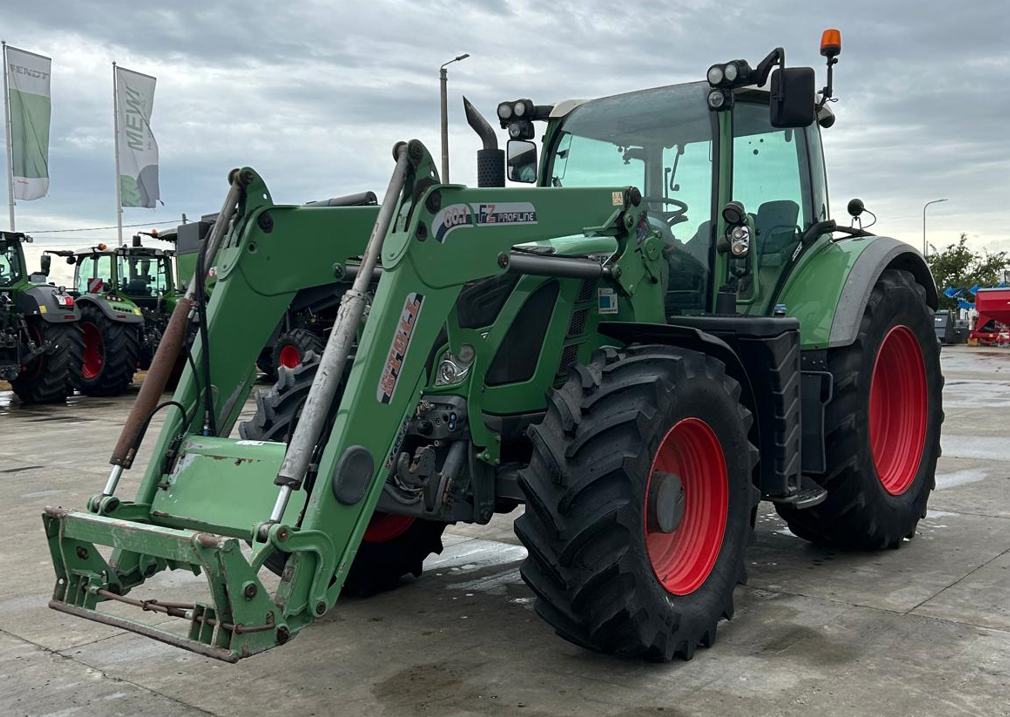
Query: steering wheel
(675, 217)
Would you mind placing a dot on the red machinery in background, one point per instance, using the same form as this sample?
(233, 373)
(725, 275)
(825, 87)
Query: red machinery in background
(993, 307)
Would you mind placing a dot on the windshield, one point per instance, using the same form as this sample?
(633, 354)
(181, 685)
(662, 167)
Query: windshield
(10, 263)
(142, 276)
(660, 141)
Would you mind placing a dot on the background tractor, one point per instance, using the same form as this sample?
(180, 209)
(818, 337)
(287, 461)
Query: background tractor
(666, 330)
(126, 295)
(40, 339)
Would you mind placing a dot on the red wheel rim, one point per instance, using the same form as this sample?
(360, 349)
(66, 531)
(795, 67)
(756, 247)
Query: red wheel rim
(682, 560)
(898, 408)
(33, 369)
(386, 526)
(290, 356)
(94, 351)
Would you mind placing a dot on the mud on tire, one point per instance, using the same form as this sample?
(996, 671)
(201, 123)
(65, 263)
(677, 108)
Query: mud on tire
(594, 455)
(877, 497)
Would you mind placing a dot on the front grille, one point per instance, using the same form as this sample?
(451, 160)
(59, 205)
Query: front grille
(577, 324)
(587, 291)
(568, 358)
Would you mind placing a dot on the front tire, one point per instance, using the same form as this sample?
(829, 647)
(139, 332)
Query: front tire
(111, 353)
(882, 426)
(612, 567)
(50, 377)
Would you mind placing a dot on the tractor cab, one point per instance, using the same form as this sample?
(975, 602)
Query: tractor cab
(12, 261)
(693, 150)
(141, 274)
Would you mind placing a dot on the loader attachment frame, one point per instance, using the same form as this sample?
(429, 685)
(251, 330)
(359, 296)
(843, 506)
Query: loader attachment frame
(203, 498)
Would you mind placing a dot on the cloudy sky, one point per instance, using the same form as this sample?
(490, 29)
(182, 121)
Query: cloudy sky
(314, 94)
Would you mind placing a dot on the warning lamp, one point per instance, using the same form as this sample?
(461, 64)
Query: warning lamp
(153, 233)
(831, 43)
(102, 247)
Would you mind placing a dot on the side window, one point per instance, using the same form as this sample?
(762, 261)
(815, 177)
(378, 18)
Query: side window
(85, 271)
(770, 177)
(687, 178)
(598, 164)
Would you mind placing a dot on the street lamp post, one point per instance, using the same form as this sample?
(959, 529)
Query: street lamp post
(443, 79)
(925, 250)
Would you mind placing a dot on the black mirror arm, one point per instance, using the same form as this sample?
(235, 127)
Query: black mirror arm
(764, 68)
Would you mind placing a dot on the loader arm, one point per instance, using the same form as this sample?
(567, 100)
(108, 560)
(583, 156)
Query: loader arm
(202, 497)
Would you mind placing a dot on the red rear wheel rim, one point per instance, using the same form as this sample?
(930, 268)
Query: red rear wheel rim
(898, 408)
(94, 351)
(290, 356)
(682, 560)
(34, 368)
(386, 526)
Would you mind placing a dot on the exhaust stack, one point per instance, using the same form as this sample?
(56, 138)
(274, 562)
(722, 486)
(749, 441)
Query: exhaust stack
(490, 160)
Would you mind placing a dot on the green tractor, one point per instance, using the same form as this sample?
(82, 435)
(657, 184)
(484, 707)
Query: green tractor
(40, 337)
(667, 329)
(126, 295)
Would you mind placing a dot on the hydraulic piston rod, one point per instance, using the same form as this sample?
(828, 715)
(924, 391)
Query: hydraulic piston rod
(168, 350)
(338, 346)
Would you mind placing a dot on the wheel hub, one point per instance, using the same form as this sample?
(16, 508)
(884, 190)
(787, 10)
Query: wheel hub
(666, 502)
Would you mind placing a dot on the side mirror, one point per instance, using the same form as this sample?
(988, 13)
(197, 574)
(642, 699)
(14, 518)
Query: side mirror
(72, 260)
(522, 161)
(793, 95)
(47, 261)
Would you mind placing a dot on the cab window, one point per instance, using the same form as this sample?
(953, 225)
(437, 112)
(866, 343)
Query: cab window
(771, 179)
(94, 274)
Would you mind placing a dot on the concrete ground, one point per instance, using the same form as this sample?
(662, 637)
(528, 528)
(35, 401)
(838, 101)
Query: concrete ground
(924, 630)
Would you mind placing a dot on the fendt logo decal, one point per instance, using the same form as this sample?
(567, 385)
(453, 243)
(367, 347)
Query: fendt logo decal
(462, 215)
(398, 349)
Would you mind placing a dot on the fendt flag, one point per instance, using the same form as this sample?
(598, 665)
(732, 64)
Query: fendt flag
(30, 107)
(136, 146)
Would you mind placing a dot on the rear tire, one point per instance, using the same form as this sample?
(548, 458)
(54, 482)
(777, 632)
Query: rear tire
(49, 378)
(606, 576)
(393, 545)
(111, 353)
(882, 426)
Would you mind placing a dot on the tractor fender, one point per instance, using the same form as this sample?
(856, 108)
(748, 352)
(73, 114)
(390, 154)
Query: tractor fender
(694, 339)
(882, 253)
(41, 301)
(114, 310)
(830, 287)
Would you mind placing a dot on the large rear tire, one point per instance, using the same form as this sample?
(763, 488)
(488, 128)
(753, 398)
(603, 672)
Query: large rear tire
(50, 377)
(621, 560)
(882, 425)
(393, 545)
(111, 353)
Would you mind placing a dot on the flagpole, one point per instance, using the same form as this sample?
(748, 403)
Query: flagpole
(8, 135)
(115, 142)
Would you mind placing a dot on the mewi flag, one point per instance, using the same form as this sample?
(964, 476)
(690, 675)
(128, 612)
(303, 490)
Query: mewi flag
(135, 143)
(30, 107)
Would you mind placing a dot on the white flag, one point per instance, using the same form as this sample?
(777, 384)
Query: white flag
(28, 92)
(138, 150)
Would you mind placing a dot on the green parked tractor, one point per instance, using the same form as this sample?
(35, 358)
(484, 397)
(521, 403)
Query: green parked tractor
(667, 329)
(126, 295)
(40, 337)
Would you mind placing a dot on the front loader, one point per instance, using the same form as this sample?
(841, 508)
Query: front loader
(667, 329)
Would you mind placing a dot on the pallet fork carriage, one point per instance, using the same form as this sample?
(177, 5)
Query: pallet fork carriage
(557, 346)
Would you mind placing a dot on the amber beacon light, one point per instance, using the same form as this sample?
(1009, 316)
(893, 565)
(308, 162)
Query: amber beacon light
(831, 43)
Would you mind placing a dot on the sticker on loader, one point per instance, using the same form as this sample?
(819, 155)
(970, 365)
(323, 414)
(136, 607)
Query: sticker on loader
(461, 215)
(398, 349)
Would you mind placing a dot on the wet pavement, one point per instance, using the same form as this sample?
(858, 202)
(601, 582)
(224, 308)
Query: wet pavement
(924, 630)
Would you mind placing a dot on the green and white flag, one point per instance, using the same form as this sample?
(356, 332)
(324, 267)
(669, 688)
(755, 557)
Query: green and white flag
(30, 107)
(137, 148)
